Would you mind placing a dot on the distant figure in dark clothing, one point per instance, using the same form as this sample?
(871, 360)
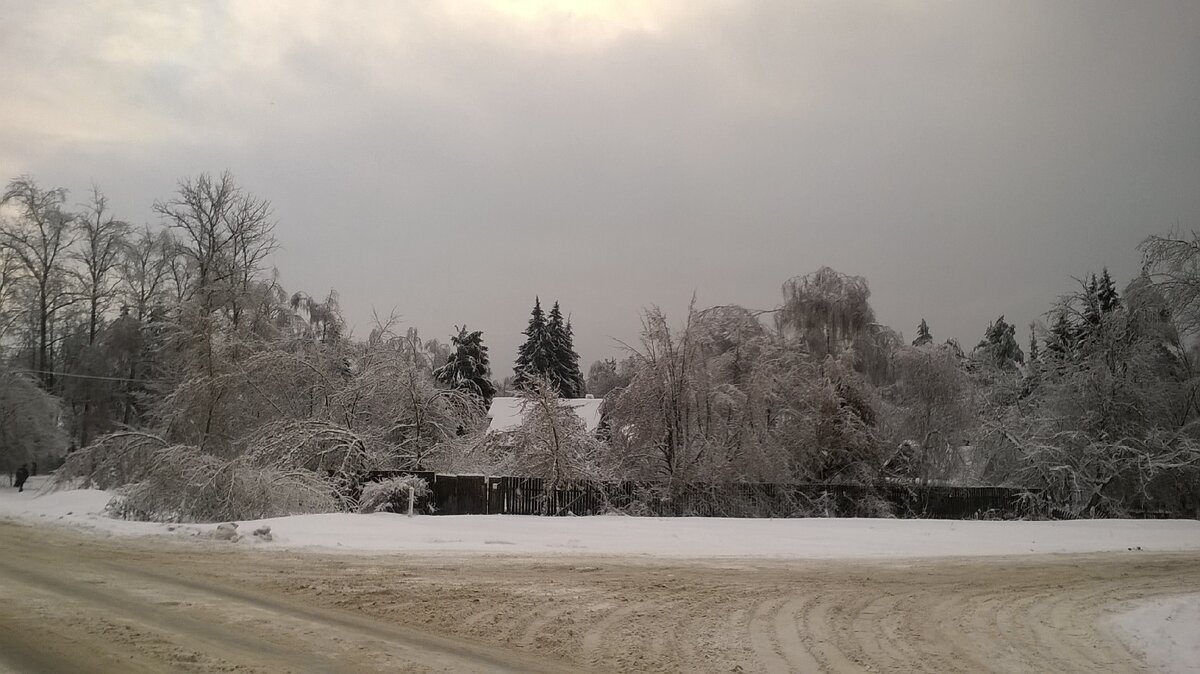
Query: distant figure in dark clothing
(33, 468)
(22, 475)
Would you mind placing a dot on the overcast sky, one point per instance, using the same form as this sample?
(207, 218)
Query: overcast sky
(453, 160)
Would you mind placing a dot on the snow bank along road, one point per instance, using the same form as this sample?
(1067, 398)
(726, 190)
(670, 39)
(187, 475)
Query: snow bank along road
(75, 602)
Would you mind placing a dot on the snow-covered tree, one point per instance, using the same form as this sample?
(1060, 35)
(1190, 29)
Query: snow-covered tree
(606, 375)
(1106, 293)
(1063, 336)
(1113, 426)
(467, 369)
(827, 424)
(700, 400)
(923, 335)
(1034, 349)
(564, 364)
(551, 441)
(535, 357)
(320, 320)
(929, 414)
(999, 345)
(826, 309)
(29, 421)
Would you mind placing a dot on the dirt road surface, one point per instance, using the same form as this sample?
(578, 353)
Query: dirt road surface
(75, 602)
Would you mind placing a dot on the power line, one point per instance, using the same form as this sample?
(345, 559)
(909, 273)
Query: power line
(92, 376)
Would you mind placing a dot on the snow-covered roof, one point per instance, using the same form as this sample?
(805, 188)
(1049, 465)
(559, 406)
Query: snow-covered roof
(506, 413)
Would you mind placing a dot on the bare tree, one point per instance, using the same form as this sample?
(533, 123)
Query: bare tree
(144, 276)
(102, 240)
(225, 234)
(144, 269)
(41, 238)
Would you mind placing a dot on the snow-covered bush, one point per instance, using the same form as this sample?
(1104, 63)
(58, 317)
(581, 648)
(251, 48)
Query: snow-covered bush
(112, 461)
(189, 486)
(180, 483)
(28, 421)
(392, 495)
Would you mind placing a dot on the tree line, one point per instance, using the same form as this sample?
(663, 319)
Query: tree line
(183, 374)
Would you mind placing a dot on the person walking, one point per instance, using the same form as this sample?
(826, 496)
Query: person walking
(22, 475)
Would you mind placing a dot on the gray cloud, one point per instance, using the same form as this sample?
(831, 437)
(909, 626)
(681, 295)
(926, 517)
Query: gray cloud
(967, 158)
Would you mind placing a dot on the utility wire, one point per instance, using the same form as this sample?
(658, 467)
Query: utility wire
(93, 376)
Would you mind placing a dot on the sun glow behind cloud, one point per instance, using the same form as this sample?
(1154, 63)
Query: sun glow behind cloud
(133, 73)
(567, 24)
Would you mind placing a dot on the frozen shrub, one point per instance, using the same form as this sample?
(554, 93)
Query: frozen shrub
(112, 461)
(158, 481)
(391, 495)
(185, 485)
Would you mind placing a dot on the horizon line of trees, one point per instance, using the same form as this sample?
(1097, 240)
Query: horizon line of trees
(188, 378)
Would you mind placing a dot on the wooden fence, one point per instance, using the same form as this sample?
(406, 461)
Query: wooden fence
(482, 495)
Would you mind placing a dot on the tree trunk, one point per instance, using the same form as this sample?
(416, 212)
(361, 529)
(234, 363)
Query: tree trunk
(44, 369)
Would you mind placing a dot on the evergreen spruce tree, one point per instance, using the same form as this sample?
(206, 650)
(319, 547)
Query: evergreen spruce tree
(536, 356)
(1063, 336)
(1033, 344)
(564, 372)
(557, 329)
(1091, 306)
(467, 368)
(572, 372)
(1099, 300)
(1000, 344)
(1106, 293)
(923, 335)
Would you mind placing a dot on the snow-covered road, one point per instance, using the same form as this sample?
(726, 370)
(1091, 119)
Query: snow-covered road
(1010, 594)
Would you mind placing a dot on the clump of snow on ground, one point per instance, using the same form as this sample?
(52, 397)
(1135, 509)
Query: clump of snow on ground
(651, 536)
(1166, 631)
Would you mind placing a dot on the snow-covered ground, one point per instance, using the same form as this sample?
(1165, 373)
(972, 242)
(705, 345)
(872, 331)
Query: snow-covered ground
(1167, 630)
(652, 536)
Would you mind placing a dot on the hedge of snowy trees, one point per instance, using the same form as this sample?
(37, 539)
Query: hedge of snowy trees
(193, 384)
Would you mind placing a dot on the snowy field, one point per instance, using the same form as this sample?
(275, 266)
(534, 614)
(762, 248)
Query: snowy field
(815, 538)
(1167, 630)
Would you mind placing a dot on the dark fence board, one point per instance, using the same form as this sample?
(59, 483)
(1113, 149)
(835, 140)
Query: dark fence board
(480, 495)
